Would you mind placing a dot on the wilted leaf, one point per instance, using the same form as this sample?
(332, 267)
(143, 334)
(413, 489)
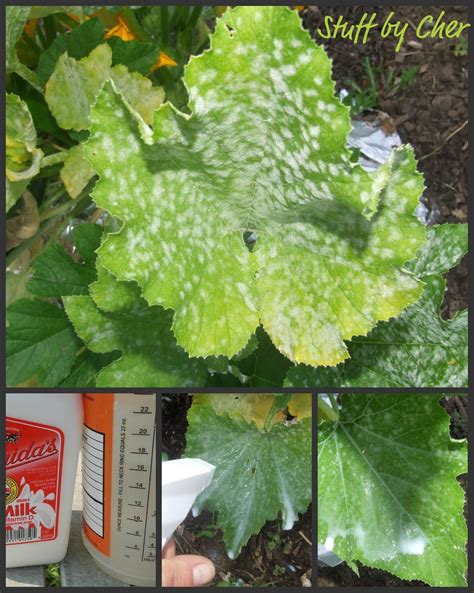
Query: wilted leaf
(22, 157)
(25, 224)
(249, 407)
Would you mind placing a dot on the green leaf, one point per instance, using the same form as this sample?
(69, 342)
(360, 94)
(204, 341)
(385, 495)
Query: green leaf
(78, 44)
(22, 157)
(56, 273)
(113, 296)
(16, 17)
(76, 172)
(387, 490)
(264, 152)
(150, 356)
(266, 366)
(417, 349)
(445, 246)
(136, 56)
(40, 343)
(259, 474)
(73, 86)
(85, 369)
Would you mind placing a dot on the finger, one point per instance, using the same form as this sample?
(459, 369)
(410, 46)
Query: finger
(186, 571)
(169, 550)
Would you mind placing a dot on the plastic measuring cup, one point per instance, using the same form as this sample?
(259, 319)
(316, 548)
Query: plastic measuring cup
(119, 485)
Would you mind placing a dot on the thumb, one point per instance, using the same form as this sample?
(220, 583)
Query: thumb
(186, 571)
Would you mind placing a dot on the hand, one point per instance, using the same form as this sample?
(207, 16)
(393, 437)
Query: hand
(184, 571)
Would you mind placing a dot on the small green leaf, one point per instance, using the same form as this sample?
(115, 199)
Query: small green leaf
(387, 490)
(40, 343)
(136, 56)
(56, 273)
(76, 172)
(259, 473)
(150, 355)
(74, 85)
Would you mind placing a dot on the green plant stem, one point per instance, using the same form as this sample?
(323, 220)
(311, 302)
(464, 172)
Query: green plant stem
(53, 159)
(54, 197)
(333, 400)
(54, 212)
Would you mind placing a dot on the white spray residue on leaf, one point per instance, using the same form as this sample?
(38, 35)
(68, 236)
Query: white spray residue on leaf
(414, 546)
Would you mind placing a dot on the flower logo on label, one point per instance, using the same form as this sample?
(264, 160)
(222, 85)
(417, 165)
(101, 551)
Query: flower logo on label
(11, 490)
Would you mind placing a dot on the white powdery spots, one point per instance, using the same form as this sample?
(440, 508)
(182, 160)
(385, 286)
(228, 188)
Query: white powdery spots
(288, 70)
(209, 75)
(278, 80)
(412, 546)
(241, 50)
(305, 58)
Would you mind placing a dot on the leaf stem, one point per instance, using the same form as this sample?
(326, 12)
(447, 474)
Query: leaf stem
(52, 159)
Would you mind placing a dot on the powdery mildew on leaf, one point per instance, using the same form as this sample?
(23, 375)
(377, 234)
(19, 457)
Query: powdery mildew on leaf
(263, 156)
(418, 348)
(150, 355)
(74, 85)
(259, 474)
(387, 489)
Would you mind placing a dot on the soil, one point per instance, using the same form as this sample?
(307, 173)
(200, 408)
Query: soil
(272, 558)
(431, 113)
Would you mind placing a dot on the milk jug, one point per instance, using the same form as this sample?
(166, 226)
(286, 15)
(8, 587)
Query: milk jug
(43, 440)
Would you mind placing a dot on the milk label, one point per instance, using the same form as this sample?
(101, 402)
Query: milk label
(34, 457)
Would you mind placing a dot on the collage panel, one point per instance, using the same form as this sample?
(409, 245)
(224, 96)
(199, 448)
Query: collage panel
(272, 199)
(392, 490)
(80, 472)
(237, 490)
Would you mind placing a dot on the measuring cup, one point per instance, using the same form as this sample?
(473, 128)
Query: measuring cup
(119, 485)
